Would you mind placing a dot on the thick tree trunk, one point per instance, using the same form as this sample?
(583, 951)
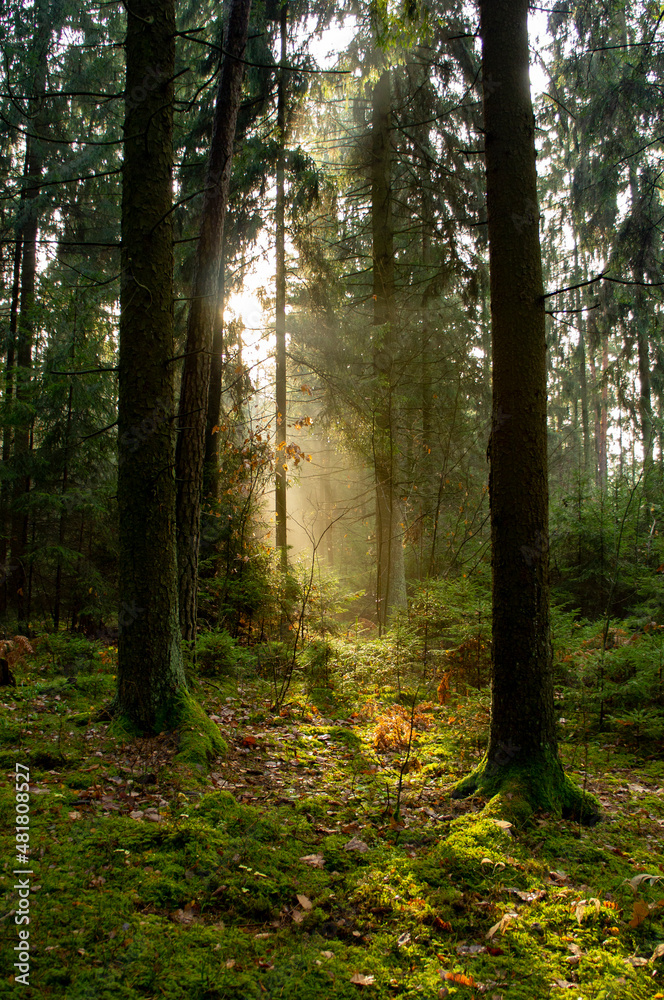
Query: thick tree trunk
(522, 752)
(192, 413)
(25, 338)
(391, 578)
(5, 487)
(151, 677)
(281, 532)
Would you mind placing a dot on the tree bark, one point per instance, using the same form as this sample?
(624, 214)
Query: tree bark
(281, 531)
(193, 406)
(391, 578)
(522, 753)
(5, 488)
(24, 342)
(151, 676)
(211, 474)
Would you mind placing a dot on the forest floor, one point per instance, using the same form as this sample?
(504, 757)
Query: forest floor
(286, 870)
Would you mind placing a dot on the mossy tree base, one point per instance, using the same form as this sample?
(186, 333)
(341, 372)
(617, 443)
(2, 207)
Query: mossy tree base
(521, 788)
(200, 740)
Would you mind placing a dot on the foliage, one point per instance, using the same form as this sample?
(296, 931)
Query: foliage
(182, 885)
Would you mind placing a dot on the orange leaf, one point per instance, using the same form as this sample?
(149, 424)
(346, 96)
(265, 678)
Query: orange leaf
(459, 979)
(641, 911)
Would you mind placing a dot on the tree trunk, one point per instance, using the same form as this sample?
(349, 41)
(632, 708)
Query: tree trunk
(603, 464)
(25, 337)
(645, 401)
(211, 473)
(63, 515)
(522, 754)
(151, 678)
(281, 532)
(192, 412)
(5, 488)
(391, 578)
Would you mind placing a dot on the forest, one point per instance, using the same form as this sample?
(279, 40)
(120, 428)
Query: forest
(332, 466)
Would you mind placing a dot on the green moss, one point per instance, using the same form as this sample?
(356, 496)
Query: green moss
(520, 788)
(200, 739)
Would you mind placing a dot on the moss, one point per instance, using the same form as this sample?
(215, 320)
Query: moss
(200, 739)
(520, 788)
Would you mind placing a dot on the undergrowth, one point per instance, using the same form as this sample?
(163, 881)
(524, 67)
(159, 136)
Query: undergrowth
(287, 868)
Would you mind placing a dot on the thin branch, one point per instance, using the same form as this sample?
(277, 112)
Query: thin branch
(86, 437)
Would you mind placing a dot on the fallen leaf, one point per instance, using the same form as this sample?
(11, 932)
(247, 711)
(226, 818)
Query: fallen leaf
(501, 925)
(75, 814)
(638, 879)
(298, 916)
(470, 949)
(502, 823)
(529, 897)
(636, 961)
(315, 860)
(641, 911)
(327, 954)
(356, 845)
(304, 902)
(459, 979)
(404, 939)
(361, 980)
(657, 953)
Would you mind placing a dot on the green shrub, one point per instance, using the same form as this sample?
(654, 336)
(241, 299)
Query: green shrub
(218, 654)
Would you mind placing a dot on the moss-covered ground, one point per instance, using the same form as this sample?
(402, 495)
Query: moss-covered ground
(293, 867)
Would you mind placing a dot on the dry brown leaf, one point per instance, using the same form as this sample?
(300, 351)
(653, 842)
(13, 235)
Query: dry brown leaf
(304, 902)
(361, 980)
(315, 860)
(356, 845)
(641, 911)
(501, 925)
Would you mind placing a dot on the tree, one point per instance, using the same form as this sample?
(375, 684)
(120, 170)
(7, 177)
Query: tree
(151, 677)
(522, 754)
(391, 578)
(25, 332)
(193, 406)
(281, 416)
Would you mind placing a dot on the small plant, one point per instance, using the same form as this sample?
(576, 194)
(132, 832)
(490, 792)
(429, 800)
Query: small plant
(219, 655)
